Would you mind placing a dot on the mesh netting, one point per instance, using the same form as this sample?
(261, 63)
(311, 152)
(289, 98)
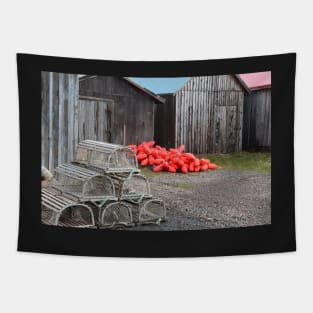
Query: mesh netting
(83, 183)
(116, 214)
(97, 184)
(152, 211)
(105, 156)
(130, 186)
(136, 186)
(61, 211)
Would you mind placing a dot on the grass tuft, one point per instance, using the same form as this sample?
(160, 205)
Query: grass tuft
(248, 161)
(243, 161)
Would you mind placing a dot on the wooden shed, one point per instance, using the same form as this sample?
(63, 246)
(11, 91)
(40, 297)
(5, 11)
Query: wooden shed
(205, 115)
(59, 118)
(104, 108)
(116, 109)
(257, 111)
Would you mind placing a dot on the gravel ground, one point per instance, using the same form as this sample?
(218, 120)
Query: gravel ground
(214, 199)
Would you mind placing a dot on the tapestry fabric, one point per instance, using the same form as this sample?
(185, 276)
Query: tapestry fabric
(156, 159)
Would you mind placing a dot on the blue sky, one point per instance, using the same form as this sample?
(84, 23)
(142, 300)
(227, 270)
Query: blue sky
(161, 84)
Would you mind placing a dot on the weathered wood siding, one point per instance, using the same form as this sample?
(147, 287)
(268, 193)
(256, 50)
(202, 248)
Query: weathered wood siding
(209, 113)
(94, 120)
(132, 111)
(164, 121)
(257, 119)
(59, 118)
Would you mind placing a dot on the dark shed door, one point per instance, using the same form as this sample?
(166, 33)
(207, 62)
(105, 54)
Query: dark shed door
(94, 120)
(226, 129)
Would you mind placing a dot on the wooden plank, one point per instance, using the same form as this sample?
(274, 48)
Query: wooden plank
(76, 107)
(209, 117)
(204, 117)
(177, 118)
(189, 121)
(55, 120)
(183, 116)
(64, 129)
(100, 117)
(192, 120)
(91, 120)
(70, 119)
(81, 118)
(240, 118)
(257, 119)
(231, 122)
(60, 120)
(201, 113)
(196, 112)
(50, 120)
(192, 106)
(45, 119)
(221, 129)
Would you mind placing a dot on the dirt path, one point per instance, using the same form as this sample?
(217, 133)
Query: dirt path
(214, 199)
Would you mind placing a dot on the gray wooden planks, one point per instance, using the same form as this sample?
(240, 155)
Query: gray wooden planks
(200, 123)
(257, 119)
(132, 111)
(59, 93)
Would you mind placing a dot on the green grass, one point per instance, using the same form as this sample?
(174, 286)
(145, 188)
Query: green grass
(249, 161)
(243, 161)
(148, 172)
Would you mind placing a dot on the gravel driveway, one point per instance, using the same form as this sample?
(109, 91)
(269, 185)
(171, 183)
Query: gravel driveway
(214, 199)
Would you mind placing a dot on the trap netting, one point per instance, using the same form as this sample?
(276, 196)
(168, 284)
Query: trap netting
(59, 210)
(106, 157)
(82, 183)
(148, 211)
(152, 211)
(131, 185)
(116, 214)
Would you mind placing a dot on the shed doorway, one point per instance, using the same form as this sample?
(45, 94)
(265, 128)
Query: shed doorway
(94, 119)
(227, 129)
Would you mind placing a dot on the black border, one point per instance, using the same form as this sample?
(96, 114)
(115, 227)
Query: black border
(277, 237)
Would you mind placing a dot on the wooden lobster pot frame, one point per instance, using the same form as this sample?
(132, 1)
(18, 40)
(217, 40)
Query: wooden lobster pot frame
(148, 210)
(106, 157)
(134, 189)
(60, 210)
(115, 214)
(96, 190)
(83, 184)
(152, 211)
(131, 185)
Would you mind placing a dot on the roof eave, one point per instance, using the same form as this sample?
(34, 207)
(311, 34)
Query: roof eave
(261, 87)
(134, 84)
(146, 91)
(244, 85)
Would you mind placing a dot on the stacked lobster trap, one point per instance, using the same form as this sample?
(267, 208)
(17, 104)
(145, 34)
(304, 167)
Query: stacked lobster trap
(102, 187)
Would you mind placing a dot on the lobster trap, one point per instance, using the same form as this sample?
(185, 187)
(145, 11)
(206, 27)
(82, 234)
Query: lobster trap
(131, 185)
(116, 214)
(83, 184)
(59, 210)
(148, 211)
(103, 181)
(106, 157)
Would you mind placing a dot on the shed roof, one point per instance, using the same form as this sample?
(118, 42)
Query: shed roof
(257, 80)
(133, 84)
(145, 90)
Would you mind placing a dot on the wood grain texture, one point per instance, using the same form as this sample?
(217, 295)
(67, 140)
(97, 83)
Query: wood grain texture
(208, 115)
(257, 120)
(59, 97)
(132, 111)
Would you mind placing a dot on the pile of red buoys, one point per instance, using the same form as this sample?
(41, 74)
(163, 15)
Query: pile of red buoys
(171, 160)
